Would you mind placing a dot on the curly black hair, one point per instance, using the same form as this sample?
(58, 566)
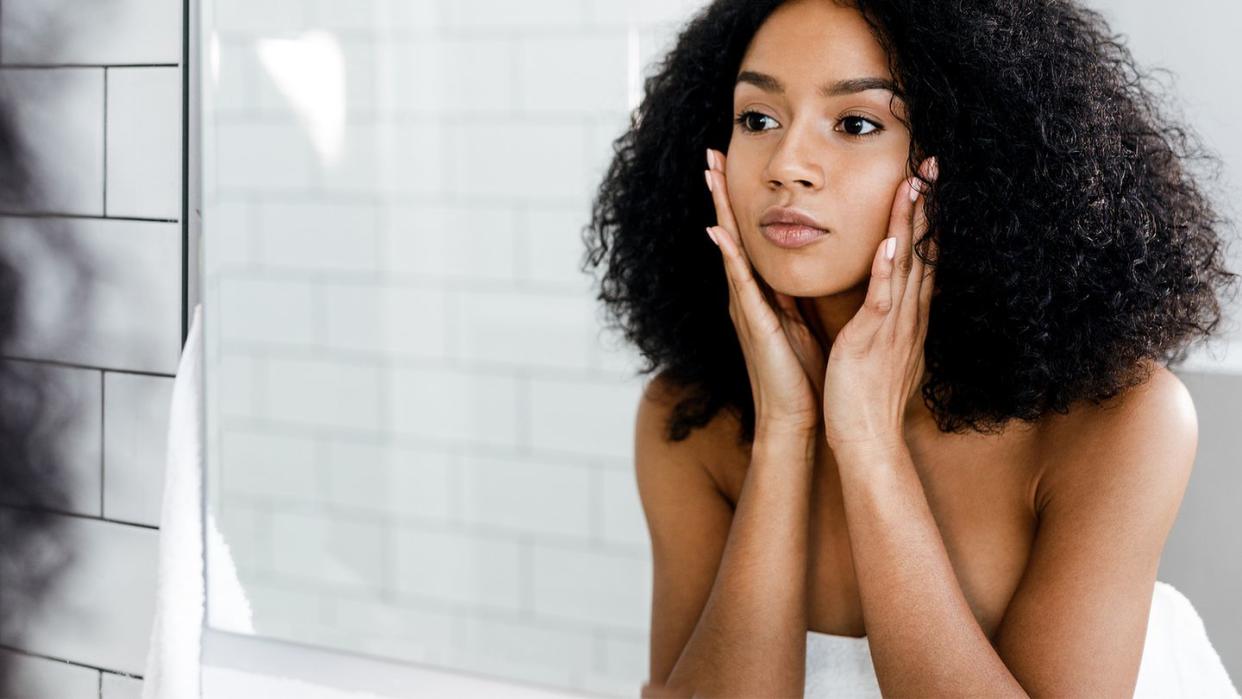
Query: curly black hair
(1074, 241)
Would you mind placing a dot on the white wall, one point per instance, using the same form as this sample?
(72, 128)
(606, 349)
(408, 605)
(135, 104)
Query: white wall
(1195, 42)
(423, 450)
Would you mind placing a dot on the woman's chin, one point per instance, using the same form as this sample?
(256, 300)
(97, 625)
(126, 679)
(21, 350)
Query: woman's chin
(798, 283)
(809, 277)
(807, 289)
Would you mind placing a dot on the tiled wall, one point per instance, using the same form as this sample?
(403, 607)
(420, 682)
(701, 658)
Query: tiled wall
(424, 443)
(98, 88)
(423, 448)
(302, 249)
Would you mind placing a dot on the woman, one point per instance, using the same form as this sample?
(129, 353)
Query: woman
(937, 452)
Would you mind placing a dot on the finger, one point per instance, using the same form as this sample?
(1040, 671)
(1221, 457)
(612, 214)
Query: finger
(879, 300)
(813, 362)
(915, 278)
(908, 307)
(744, 284)
(746, 290)
(720, 194)
(900, 220)
(716, 234)
(770, 295)
(928, 286)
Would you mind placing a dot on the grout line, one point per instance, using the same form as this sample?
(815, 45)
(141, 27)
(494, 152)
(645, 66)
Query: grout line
(38, 66)
(105, 141)
(79, 515)
(76, 365)
(102, 426)
(41, 214)
(67, 661)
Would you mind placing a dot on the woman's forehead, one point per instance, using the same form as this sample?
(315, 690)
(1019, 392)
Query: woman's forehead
(809, 42)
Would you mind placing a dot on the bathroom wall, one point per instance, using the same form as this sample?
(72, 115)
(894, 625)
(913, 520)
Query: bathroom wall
(423, 441)
(98, 86)
(1202, 557)
(423, 448)
(102, 107)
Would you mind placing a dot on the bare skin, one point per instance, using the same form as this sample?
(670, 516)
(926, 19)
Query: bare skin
(985, 493)
(1003, 564)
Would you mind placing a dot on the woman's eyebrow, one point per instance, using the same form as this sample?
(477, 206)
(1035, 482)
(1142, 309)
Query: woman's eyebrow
(769, 83)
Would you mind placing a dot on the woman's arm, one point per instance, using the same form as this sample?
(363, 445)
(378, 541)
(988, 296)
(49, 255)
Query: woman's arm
(1112, 481)
(750, 639)
(924, 639)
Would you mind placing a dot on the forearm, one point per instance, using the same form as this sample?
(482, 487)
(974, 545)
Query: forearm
(923, 636)
(751, 635)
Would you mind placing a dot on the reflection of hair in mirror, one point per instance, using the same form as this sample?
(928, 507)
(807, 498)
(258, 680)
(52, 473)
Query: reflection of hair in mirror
(1074, 241)
(34, 482)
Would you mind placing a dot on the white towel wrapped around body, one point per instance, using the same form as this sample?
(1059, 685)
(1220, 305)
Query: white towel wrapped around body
(1178, 658)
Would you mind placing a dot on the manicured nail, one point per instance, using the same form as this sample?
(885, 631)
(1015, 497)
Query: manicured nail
(708, 175)
(712, 234)
(890, 248)
(914, 189)
(710, 164)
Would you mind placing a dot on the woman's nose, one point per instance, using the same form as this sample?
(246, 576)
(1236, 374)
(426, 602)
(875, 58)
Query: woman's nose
(796, 162)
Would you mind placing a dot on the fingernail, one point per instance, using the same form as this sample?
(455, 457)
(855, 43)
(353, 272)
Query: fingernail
(914, 189)
(708, 175)
(934, 168)
(890, 248)
(710, 163)
(711, 234)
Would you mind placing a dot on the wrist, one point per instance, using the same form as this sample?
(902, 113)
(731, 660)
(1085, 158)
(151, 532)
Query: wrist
(786, 429)
(869, 446)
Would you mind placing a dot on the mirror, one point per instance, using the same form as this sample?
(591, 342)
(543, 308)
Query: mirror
(419, 441)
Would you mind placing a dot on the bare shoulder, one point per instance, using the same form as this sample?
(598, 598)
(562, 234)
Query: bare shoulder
(688, 520)
(1148, 432)
(714, 446)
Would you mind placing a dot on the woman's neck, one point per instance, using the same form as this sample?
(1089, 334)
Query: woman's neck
(828, 314)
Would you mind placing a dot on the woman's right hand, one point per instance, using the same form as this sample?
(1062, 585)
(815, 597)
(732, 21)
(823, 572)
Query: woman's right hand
(784, 360)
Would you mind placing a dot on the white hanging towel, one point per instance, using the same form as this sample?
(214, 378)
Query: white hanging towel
(174, 653)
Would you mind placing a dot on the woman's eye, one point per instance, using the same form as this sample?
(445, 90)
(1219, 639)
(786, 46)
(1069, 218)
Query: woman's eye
(852, 122)
(854, 125)
(745, 120)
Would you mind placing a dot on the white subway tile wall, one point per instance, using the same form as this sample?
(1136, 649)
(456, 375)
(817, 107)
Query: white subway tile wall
(97, 89)
(62, 112)
(422, 435)
(143, 137)
(99, 612)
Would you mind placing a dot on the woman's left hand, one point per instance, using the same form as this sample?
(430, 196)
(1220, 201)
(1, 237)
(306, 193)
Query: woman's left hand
(875, 365)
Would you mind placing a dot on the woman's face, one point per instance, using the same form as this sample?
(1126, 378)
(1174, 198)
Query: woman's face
(837, 158)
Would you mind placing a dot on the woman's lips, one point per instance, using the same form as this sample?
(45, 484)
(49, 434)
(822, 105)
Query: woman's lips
(791, 235)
